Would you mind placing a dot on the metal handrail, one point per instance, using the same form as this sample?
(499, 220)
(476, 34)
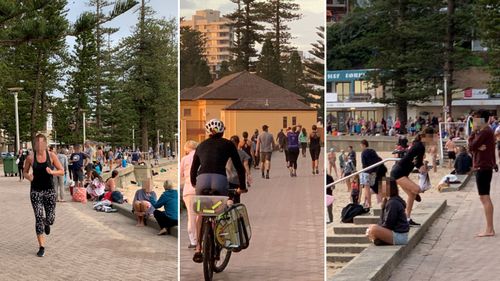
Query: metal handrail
(362, 170)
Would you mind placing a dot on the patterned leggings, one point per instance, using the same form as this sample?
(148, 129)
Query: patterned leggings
(41, 200)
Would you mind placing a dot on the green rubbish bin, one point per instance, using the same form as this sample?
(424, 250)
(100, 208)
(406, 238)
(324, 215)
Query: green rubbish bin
(10, 166)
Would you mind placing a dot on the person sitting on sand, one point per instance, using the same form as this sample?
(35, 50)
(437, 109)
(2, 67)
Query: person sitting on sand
(142, 207)
(393, 226)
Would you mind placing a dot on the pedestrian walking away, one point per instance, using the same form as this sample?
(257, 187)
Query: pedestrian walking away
(482, 147)
(265, 147)
(21, 157)
(293, 150)
(188, 191)
(303, 141)
(315, 149)
(44, 165)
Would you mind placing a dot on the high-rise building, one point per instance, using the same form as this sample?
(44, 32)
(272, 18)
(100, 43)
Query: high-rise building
(218, 35)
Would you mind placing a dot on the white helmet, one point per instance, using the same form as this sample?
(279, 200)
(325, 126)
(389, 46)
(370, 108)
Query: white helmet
(214, 126)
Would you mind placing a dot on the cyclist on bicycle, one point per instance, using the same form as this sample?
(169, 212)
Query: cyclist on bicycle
(208, 171)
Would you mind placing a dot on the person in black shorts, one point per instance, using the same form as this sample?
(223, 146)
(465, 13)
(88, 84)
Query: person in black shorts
(315, 149)
(402, 169)
(482, 148)
(44, 166)
(208, 170)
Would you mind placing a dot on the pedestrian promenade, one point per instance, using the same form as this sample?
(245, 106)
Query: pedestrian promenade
(83, 244)
(450, 250)
(286, 215)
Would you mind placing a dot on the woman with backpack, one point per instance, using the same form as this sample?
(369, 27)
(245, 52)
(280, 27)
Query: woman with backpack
(393, 227)
(293, 150)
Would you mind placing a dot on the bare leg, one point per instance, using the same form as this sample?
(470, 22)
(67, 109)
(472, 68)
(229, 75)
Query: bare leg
(378, 232)
(41, 240)
(488, 212)
(367, 196)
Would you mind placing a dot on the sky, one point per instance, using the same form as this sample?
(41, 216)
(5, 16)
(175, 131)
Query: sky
(303, 30)
(164, 9)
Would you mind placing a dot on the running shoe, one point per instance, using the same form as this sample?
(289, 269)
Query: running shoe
(418, 198)
(413, 223)
(41, 252)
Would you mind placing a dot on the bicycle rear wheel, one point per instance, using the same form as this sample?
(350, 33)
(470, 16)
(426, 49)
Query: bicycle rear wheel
(223, 258)
(208, 250)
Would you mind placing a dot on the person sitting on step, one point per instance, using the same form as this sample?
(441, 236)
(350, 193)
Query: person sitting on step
(393, 226)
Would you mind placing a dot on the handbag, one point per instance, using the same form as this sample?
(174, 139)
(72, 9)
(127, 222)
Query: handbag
(80, 195)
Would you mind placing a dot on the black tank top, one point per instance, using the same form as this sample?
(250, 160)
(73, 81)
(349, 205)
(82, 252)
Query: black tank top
(41, 179)
(314, 141)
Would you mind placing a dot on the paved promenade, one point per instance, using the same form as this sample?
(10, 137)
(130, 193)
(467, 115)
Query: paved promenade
(450, 250)
(83, 245)
(286, 215)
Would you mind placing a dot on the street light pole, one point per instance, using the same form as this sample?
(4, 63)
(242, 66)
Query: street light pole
(15, 91)
(445, 108)
(84, 133)
(158, 142)
(133, 138)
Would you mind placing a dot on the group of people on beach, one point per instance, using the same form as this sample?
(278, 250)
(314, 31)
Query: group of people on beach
(478, 157)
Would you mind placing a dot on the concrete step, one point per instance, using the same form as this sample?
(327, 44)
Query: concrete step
(348, 239)
(366, 219)
(350, 229)
(377, 212)
(345, 248)
(340, 258)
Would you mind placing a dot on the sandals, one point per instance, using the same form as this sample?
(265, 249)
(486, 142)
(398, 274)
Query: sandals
(198, 257)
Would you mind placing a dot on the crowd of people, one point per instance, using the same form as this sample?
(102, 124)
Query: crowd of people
(52, 171)
(390, 126)
(477, 157)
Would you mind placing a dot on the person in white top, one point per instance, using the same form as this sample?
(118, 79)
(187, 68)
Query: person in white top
(188, 190)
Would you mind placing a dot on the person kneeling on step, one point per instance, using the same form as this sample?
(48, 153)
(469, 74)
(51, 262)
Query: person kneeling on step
(393, 226)
(168, 200)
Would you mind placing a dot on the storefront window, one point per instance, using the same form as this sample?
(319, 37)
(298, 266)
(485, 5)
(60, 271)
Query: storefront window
(360, 87)
(342, 89)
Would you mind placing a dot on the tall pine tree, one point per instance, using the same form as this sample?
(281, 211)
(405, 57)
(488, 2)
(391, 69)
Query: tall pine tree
(194, 68)
(268, 66)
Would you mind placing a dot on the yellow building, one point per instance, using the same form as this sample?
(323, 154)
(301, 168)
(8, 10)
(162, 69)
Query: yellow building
(244, 102)
(217, 33)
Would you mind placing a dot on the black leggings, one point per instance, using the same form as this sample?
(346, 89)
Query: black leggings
(304, 148)
(163, 220)
(293, 154)
(20, 171)
(43, 200)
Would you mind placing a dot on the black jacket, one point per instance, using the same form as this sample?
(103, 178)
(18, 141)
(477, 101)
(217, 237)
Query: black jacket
(393, 216)
(368, 158)
(463, 163)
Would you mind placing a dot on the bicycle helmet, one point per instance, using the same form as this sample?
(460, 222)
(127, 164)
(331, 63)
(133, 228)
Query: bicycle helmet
(214, 126)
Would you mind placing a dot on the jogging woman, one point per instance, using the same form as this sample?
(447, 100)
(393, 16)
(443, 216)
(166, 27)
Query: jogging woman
(208, 171)
(42, 194)
(293, 150)
(402, 169)
(314, 149)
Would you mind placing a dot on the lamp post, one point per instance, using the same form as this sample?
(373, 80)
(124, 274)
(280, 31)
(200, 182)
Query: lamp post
(15, 91)
(83, 111)
(133, 138)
